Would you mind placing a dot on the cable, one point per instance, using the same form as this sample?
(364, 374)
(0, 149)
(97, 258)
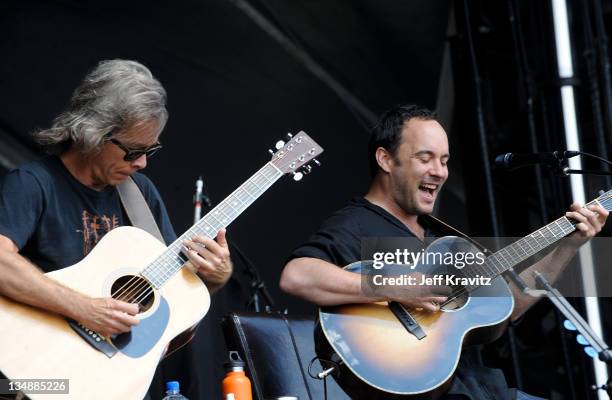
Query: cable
(323, 374)
(596, 157)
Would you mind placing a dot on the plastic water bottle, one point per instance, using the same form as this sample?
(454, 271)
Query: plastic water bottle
(173, 391)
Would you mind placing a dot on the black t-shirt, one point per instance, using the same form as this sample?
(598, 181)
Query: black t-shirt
(55, 220)
(339, 240)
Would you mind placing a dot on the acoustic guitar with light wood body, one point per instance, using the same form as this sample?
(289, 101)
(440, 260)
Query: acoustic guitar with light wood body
(131, 265)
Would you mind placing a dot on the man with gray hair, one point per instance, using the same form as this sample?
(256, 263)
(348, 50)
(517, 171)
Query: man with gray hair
(53, 211)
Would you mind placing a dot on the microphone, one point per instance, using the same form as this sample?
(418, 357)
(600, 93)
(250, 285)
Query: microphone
(512, 161)
(200, 197)
(197, 199)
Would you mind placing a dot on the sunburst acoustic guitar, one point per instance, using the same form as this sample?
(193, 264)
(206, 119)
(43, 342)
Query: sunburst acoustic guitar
(386, 351)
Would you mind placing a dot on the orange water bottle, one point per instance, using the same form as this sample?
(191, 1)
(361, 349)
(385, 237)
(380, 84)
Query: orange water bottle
(235, 381)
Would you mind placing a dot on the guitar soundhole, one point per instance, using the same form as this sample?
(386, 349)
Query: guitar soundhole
(134, 289)
(456, 300)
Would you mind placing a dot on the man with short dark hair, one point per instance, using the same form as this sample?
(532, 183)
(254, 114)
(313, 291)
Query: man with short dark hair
(409, 155)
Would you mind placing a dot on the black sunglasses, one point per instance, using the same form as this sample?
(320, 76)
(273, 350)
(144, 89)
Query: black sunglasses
(134, 154)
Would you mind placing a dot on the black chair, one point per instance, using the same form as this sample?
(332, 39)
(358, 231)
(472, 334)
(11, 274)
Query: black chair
(277, 349)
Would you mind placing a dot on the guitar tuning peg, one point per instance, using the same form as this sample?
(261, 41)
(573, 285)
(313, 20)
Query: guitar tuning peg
(306, 169)
(289, 136)
(271, 151)
(297, 176)
(317, 162)
(279, 145)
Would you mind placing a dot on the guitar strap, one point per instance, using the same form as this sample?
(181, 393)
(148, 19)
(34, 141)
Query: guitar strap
(447, 230)
(137, 209)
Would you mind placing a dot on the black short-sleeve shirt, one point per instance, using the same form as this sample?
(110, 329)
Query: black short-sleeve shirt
(338, 240)
(55, 220)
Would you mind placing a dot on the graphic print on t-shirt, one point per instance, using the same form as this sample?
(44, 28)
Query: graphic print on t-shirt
(94, 227)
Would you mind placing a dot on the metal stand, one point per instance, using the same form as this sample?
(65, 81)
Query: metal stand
(562, 168)
(566, 171)
(544, 289)
(258, 286)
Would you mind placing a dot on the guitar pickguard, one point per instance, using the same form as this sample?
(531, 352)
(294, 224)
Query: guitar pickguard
(135, 343)
(145, 335)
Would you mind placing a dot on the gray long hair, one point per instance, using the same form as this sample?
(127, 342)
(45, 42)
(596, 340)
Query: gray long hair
(115, 95)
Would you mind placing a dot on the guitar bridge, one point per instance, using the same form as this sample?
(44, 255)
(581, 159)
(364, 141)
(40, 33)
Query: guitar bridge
(94, 339)
(407, 320)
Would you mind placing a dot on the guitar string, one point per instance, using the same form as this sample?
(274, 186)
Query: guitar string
(462, 290)
(264, 181)
(134, 286)
(604, 202)
(142, 283)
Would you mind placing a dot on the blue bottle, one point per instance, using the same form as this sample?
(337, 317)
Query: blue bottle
(173, 391)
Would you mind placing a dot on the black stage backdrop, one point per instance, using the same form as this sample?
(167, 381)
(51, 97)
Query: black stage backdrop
(232, 92)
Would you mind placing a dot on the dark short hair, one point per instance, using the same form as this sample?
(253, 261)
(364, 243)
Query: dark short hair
(388, 131)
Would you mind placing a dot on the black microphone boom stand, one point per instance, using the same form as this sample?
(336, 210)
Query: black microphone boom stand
(567, 171)
(258, 286)
(561, 168)
(557, 161)
(545, 289)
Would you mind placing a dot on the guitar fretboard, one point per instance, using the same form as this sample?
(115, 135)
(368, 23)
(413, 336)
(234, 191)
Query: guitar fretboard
(522, 249)
(172, 260)
(526, 247)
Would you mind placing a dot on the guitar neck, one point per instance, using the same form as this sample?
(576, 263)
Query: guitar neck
(530, 245)
(526, 247)
(172, 260)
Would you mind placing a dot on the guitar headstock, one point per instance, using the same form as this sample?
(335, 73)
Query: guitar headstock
(293, 157)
